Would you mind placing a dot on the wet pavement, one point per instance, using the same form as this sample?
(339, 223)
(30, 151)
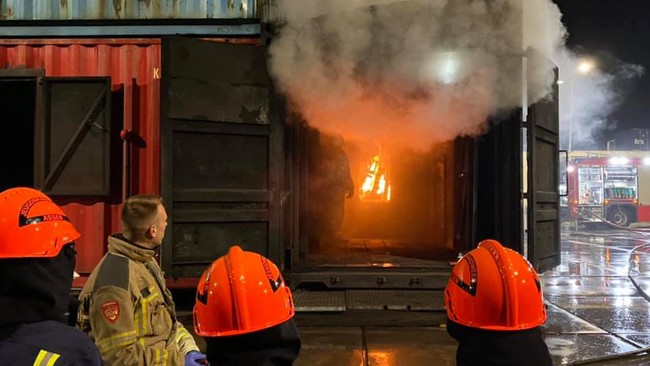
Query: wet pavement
(597, 314)
(600, 291)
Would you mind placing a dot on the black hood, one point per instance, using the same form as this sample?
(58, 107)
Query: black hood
(275, 346)
(478, 347)
(36, 289)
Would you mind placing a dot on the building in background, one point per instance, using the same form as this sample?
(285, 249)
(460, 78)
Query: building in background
(633, 139)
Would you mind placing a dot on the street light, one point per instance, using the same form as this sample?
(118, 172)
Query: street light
(585, 67)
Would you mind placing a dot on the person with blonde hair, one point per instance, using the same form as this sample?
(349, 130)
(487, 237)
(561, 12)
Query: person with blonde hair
(125, 306)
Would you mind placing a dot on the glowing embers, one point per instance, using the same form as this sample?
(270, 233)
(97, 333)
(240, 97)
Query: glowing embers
(376, 183)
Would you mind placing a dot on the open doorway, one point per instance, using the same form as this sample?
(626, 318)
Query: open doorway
(17, 111)
(376, 205)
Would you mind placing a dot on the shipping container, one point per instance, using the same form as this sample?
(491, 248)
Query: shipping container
(124, 9)
(64, 74)
(200, 122)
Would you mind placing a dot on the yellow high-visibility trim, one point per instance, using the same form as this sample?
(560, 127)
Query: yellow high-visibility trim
(144, 314)
(119, 339)
(181, 334)
(45, 358)
(165, 358)
(117, 345)
(161, 357)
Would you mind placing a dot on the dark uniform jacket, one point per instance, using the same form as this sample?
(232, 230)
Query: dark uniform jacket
(34, 297)
(478, 347)
(47, 343)
(128, 311)
(276, 346)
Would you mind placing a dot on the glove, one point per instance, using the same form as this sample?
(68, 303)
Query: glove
(196, 358)
(349, 191)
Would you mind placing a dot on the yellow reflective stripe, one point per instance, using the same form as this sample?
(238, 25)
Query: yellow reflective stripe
(39, 358)
(142, 316)
(117, 345)
(161, 359)
(53, 358)
(45, 358)
(139, 318)
(165, 358)
(118, 340)
(181, 333)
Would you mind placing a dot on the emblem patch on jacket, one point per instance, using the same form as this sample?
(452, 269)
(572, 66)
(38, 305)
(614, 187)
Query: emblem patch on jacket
(111, 310)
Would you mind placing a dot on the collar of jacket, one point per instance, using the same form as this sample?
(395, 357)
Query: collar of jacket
(117, 244)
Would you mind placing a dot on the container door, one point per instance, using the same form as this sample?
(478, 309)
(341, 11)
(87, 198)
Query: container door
(73, 137)
(543, 177)
(498, 183)
(221, 153)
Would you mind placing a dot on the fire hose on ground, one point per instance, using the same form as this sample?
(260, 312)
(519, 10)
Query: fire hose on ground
(641, 352)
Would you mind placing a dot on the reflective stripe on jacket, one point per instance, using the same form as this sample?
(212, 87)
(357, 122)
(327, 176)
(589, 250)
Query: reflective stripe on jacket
(47, 343)
(128, 311)
(45, 358)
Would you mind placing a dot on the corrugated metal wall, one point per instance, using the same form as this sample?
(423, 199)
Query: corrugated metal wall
(134, 68)
(128, 9)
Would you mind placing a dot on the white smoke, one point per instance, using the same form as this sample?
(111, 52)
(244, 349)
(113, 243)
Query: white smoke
(418, 71)
(588, 97)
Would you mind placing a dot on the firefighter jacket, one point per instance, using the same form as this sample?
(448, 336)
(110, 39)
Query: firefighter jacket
(46, 343)
(128, 311)
(479, 347)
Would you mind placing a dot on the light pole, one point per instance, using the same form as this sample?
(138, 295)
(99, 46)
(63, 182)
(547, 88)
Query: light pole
(584, 68)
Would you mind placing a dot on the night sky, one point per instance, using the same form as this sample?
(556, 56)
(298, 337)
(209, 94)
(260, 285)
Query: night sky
(615, 32)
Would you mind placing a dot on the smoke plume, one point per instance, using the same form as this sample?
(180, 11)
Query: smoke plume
(416, 71)
(589, 96)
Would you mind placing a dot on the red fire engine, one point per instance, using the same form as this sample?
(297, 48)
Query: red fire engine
(607, 185)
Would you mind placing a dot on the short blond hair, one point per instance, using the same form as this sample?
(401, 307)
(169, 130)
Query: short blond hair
(138, 213)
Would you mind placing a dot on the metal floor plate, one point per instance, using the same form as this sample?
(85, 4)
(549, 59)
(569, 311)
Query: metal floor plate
(338, 301)
(412, 300)
(319, 301)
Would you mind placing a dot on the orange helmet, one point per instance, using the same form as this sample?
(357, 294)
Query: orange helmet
(495, 288)
(31, 225)
(241, 292)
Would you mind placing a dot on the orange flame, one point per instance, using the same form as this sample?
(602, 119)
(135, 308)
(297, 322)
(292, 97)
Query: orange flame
(376, 184)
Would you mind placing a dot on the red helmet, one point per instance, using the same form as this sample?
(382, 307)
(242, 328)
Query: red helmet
(241, 292)
(31, 225)
(495, 288)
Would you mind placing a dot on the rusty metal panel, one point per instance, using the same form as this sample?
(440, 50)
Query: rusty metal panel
(231, 86)
(134, 68)
(128, 9)
(221, 153)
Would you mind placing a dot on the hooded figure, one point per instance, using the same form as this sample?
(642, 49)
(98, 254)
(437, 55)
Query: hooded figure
(495, 309)
(37, 260)
(245, 312)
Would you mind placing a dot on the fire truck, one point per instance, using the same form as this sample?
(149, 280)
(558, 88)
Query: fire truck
(607, 186)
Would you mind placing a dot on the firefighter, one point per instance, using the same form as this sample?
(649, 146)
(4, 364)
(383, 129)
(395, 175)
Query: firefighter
(495, 309)
(125, 305)
(330, 183)
(245, 312)
(37, 261)
(341, 185)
